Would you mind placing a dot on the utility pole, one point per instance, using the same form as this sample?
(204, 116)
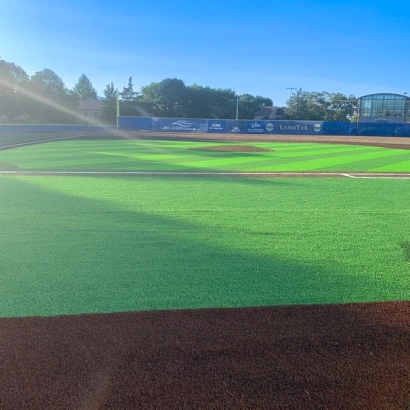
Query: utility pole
(291, 89)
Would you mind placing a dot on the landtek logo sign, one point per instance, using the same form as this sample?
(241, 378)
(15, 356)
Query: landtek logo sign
(293, 127)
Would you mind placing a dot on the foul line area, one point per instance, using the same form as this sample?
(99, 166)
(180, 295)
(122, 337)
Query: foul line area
(354, 175)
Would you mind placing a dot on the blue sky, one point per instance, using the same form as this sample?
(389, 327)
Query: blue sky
(257, 47)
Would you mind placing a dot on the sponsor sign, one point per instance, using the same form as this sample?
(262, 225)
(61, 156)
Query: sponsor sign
(216, 125)
(236, 127)
(255, 127)
(297, 127)
(179, 125)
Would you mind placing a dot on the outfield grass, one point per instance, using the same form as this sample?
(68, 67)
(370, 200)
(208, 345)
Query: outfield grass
(17, 138)
(87, 244)
(114, 155)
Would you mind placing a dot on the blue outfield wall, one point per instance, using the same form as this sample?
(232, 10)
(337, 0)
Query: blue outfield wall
(219, 126)
(224, 126)
(382, 129)
(134, 124)
(263, 127)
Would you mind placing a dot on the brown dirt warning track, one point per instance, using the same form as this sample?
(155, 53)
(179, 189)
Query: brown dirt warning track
(387, 142)
(352, 356)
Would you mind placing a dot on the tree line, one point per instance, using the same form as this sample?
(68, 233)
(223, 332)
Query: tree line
(43, 97)
(321, 106)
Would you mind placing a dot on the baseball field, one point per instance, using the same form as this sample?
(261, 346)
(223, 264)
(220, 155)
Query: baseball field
(203, 271)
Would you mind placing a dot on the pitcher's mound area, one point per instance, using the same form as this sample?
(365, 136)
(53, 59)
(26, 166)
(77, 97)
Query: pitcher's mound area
(233, 148)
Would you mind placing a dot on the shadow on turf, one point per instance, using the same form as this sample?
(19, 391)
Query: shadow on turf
(89, 256)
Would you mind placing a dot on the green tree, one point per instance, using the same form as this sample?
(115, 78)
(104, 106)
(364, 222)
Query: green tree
(203, 100)
(12, 77)
(224, 98)
(200, 102)
(171, 95)
(84, 89)
(49, 100)
(247, 106)
(109, 104)
(341, 107)
(320, 106)
(129, 99)
(306, 106)
(175, 99)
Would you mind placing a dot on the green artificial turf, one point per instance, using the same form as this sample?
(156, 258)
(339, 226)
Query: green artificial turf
(72, 245)
(17, 138)
(120, 155)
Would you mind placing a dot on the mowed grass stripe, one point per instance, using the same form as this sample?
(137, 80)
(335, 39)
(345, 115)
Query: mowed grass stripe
(392, 164)
(80, 244)
(402, 166)
(352, 162)
(174, 156)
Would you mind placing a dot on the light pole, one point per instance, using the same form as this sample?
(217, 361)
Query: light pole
(237, 107)
(118, 108)
(291, 89)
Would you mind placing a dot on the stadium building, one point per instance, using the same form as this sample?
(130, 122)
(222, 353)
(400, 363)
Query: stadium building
(384, 107)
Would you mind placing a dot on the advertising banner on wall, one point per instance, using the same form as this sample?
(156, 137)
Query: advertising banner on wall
(256, 127)
(295, 127)
(236, 126)
(223, 126)
(216, 125)
(274, 127)
(179, 125)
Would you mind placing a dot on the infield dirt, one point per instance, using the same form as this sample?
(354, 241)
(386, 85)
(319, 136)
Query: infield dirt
(310, 357)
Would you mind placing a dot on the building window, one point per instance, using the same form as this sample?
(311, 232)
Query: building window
(389, 106)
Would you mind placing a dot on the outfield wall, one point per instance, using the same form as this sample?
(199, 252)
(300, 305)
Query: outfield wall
(51, 128)
(222, 126)
(262, 127)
